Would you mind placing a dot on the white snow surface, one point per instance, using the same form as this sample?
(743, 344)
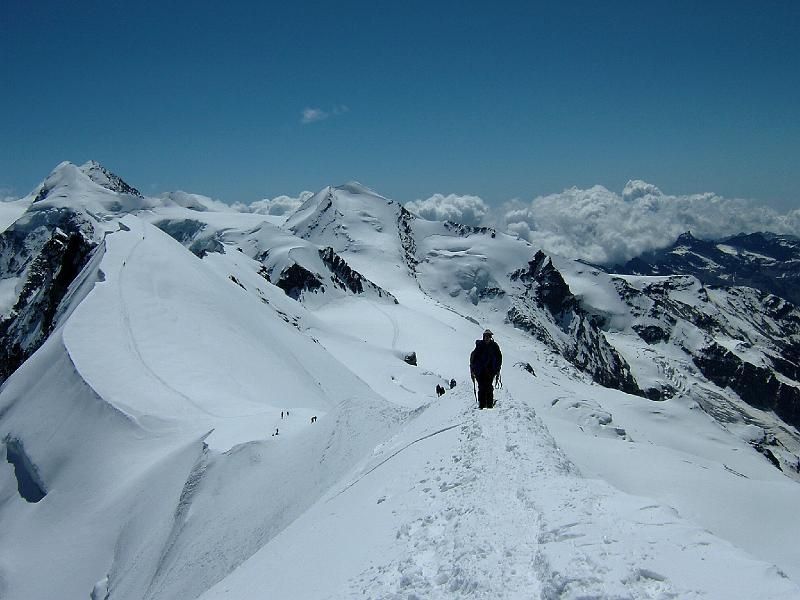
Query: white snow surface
(11, 210)
(169, 419)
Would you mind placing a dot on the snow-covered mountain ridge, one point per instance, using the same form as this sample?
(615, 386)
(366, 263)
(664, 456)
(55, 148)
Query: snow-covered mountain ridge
(203, 403)
(765, 261)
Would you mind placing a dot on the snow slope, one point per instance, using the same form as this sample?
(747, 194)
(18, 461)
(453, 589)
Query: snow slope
(146, 363)
(485, 505)
(11, 210)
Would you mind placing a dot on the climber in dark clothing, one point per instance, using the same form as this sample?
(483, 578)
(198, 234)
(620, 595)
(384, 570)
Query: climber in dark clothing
(484, 366)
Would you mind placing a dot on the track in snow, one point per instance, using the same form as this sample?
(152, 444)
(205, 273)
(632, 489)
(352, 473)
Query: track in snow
(500, 512)
(468, 543)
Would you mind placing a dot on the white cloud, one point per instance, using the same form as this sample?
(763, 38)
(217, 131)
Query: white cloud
(280, 205)
(469, 210)
(312, 115)
(604, 227)
(7, 194)
(637, 188)
(193, 201)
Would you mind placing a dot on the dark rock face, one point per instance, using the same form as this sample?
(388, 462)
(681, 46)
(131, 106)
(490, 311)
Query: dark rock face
(409, 245)
(652, 334)
(29, 484)
(490, 293)
(679, 310)
(20, 243)
(102, 176)
(764, 261)
(411, 359)
(552, 292)
(184, 231)
(466, 230)
(191, 233)
(593, 354)
(45, 250)
(580, 340)
(756, 385)
(32, 318)
(295, 280)
(345, 278)
(204, 246)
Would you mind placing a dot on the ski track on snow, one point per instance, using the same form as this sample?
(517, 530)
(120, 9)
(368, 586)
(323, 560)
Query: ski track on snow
(134, 344)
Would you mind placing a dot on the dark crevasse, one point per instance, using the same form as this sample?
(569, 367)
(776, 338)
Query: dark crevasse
(29, 484)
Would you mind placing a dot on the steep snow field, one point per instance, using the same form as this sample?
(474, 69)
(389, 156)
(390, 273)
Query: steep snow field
(147, 361)
(11, 210)
(168, 419)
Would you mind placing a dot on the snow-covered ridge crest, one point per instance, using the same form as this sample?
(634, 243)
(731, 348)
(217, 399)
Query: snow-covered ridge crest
(356, 187)
(90, 187)
(303, 270)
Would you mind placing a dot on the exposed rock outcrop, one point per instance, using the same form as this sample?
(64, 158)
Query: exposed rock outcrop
(548, 310)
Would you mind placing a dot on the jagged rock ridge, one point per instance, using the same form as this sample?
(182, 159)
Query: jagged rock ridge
(765, 261)
(576, 334)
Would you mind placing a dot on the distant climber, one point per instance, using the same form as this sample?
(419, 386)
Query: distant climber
(281, 414)
(484, 366)
(439, 390)
(452, 383)
(314, 419)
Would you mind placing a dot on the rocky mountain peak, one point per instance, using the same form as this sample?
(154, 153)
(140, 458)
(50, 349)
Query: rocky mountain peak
(102, 176)
(686, 239)
(69, 178)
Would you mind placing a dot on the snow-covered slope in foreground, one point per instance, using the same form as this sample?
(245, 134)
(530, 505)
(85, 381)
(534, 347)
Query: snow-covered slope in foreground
(190, 431)
(469, 505)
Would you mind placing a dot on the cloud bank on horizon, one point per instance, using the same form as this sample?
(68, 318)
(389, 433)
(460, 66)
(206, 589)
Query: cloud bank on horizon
(469, 210)
(279, 206)
(601, 226)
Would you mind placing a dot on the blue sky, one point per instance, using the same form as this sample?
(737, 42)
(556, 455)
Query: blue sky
(500, 100)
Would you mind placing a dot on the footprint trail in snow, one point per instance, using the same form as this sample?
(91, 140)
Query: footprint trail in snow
(504, 514)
